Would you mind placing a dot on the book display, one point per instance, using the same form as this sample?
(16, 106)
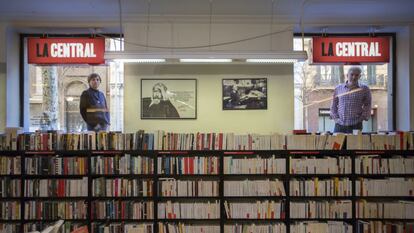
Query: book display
(125, 185)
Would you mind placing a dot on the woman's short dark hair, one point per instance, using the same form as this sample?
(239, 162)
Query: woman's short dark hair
(94, 75)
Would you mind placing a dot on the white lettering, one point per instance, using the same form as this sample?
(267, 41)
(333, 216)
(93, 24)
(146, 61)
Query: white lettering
(72, 50)
(93, 50)
(338, 48)
(53, 50)
(364, 49)
(65, 51)
(377, 53)
(79, 50)
(89, 50)
(372, 49)
(357, 49)
(345, 48)
(351, 50)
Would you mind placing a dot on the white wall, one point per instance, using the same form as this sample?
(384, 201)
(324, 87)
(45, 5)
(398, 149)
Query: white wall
(210, 116)
(12, 95)
(405, 75)
(2, 76)
(191, 34)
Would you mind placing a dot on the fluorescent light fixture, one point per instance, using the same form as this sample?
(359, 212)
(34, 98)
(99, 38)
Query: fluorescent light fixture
(205, 60)
(151, 60)
(208, 56)
(271, 60)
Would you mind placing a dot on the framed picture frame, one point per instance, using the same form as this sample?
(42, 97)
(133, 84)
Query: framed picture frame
(168, 99)
(244, 94)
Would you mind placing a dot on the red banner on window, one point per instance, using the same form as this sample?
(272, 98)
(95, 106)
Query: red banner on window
(351, 50)
(66, 50)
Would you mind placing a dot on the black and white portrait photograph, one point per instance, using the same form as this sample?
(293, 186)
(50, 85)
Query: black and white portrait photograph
(239, 94)
(168, 98)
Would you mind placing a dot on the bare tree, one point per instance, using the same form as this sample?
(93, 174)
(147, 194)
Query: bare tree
(305, 83)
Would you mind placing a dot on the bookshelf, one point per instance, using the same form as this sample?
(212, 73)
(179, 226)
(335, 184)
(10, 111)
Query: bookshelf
(165, 185)
(54, 188)
(11, 191)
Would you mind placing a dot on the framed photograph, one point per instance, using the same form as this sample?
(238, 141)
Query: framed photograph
(168, 98)
(240, 94)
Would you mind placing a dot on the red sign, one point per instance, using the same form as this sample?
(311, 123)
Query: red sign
(351, 50)
(66, 50)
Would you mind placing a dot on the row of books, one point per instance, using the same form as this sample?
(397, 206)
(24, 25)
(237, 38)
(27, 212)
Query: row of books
(340, 209)
(56, 165)
(255, 210)
(10, 187)
(120, 187)
(374, 164)
(10, 210)
(122, 210)
(125, 164)
(384, 227)
(56, 140)
(385, 187)
(300, 227)
(10, 165)
(390, 141)
(318, 165)
(7, 228)
(161, 140)
(255, 165)
(254, 188)
(399, 210)
(188, 165)
(321, 227)
(122, 228)
(56, 187)
(67, 226)
(256, 228)
(188, 188)
(316, 187)
(189, 210)
(314, 142)
(187, 228)
(45, 210)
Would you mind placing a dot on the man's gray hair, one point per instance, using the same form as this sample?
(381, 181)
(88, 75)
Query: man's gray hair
(356, 68)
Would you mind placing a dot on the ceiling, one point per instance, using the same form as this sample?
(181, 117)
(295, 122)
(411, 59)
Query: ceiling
(380, 13)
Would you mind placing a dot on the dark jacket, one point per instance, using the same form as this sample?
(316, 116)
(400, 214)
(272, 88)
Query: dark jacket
(93, 107)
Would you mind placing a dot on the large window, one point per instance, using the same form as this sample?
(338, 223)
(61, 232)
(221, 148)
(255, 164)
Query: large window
(55, 93)
(314, 86)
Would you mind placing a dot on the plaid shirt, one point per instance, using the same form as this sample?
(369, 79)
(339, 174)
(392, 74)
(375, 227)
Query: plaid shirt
(351, 106)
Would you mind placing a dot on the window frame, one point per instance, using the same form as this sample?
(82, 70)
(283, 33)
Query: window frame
(23, 54)
(393, 63)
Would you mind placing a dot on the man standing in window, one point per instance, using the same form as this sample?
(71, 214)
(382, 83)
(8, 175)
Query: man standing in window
(351, 103)
(93, 107)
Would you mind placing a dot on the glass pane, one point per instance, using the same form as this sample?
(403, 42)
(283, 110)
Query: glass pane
(55, 93)
(314, 86)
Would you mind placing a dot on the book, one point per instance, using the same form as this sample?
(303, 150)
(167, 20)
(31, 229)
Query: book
(83, 229)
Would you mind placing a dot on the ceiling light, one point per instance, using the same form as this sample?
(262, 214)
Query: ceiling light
(153, 60)
(271, 60)
(205, 60)
(209, 56)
